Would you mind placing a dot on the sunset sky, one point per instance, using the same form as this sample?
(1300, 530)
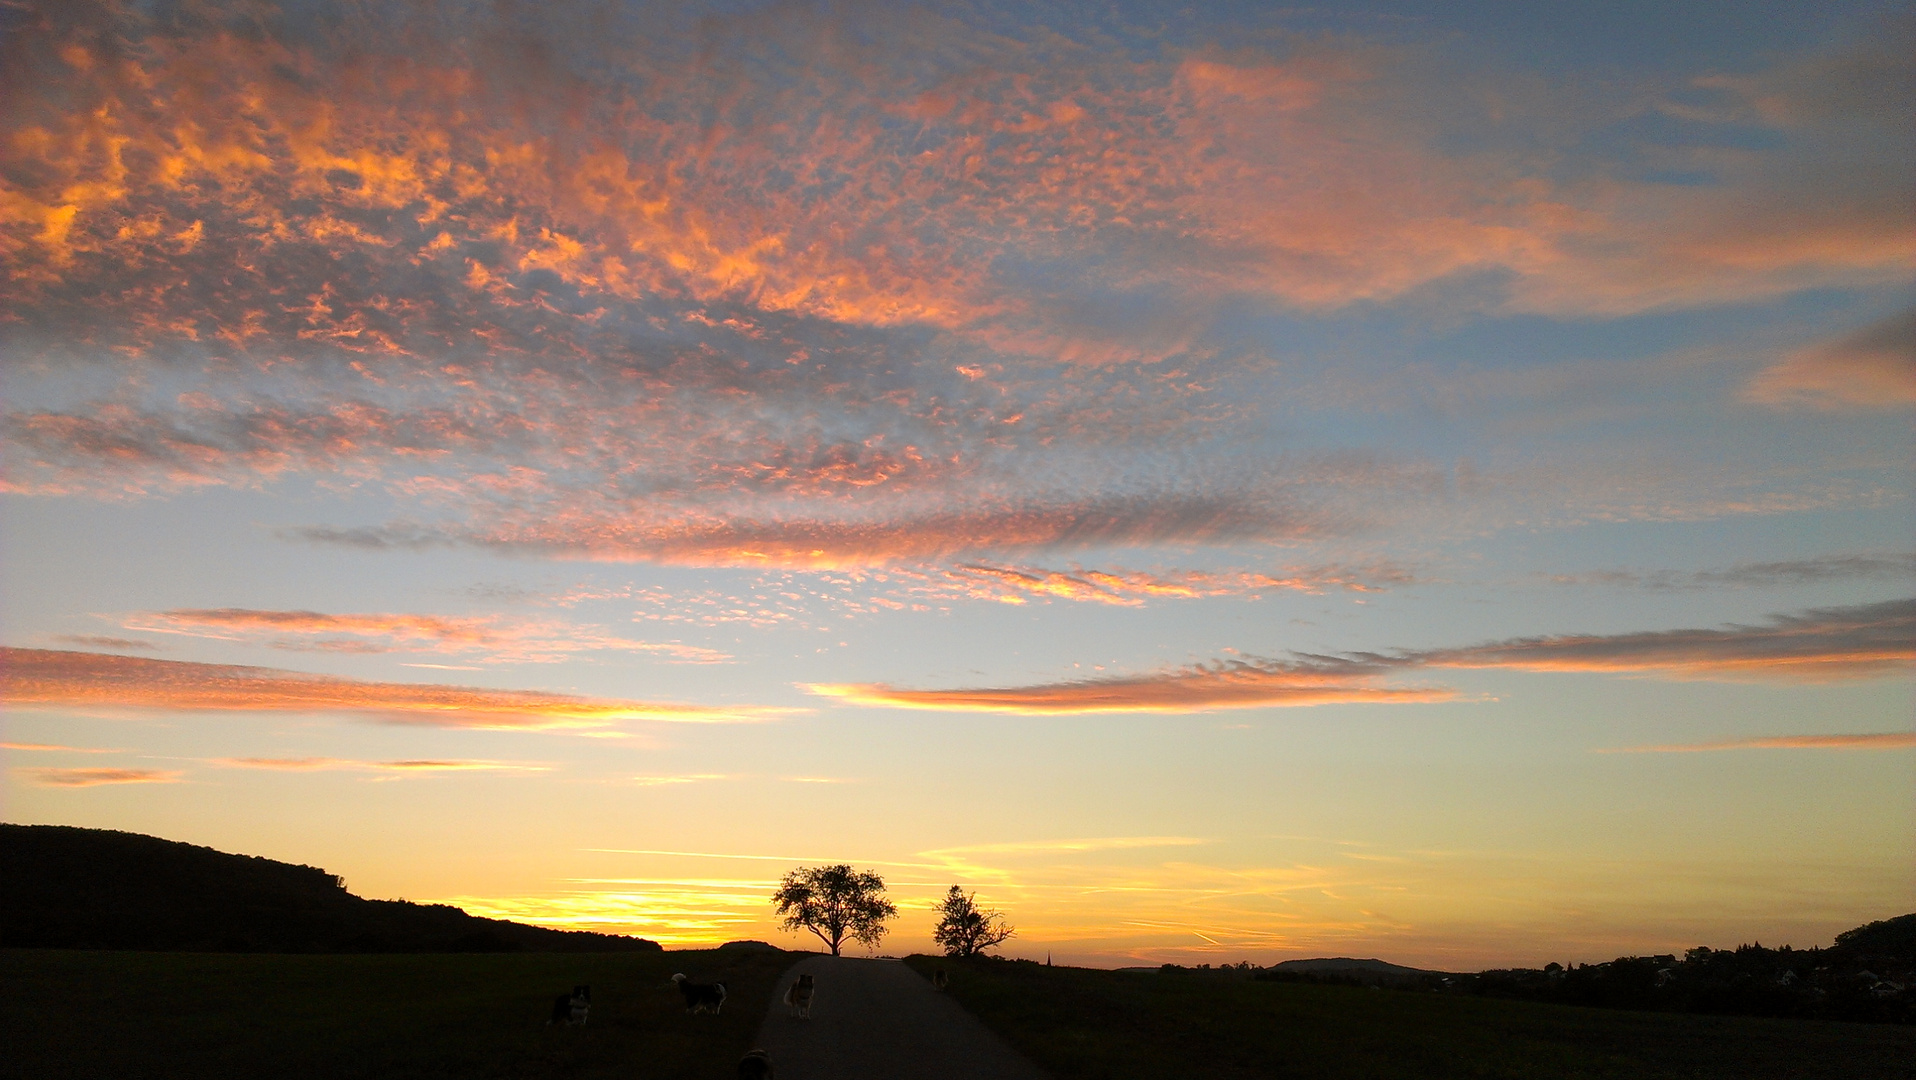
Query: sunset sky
(1225, 483)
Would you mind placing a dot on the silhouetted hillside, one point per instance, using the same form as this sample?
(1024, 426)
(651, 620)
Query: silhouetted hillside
(64, 887)
(1345, 970)
(1889, 942)
(1345, 963)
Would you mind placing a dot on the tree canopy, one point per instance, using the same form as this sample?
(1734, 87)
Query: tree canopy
(965, 930)
(835, 903)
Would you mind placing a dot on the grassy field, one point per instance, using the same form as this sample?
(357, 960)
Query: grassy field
(1095, 1025)
(134, 1015)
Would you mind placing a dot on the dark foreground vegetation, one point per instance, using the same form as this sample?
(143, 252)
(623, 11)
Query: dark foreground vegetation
(70, 888)
(1867, 976)
(1119, 1025)
(75, 1015)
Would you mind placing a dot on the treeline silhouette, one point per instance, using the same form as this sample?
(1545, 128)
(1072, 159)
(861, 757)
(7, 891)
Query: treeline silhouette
(1868, 974)
(72, 888)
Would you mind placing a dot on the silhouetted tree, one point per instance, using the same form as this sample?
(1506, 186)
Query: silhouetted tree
(835, 902)
(1878, 941)
(964, 930)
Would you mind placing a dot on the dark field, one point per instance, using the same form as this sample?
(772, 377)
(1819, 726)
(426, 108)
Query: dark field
(1081, 1023)
(132, 1015)
(127, 1015)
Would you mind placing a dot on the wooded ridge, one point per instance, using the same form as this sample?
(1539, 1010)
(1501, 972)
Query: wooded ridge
(73, 888)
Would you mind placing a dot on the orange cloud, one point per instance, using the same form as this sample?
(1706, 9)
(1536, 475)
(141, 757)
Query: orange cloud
(1227, 684)
(54, 747)
(813, 597)
(73, 679)
(95, 777)
(1888, 740)
(688, 778)
(420, 159)
(1133, 588)
(1812, 646)
(1288, 176)
(415, 767)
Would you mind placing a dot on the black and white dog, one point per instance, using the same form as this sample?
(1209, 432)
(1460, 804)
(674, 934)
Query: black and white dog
(701, 996)
(799, 996)
(571, 1008)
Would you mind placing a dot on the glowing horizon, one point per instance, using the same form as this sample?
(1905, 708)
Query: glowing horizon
(520, 460)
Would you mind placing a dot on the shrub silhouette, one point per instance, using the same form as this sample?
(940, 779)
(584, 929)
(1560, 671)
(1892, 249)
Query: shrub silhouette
(965, 930)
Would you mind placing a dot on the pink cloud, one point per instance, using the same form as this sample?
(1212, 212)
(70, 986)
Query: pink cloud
(503, 640)
(826, 543)
(97, 680)
(1290, 175)
(1874, 368)
(97, 641)
(1820, 645)
(319, 764)
(95, 777)
(847, 310)
(212, 441)
(1888, 740)
(1784, 572)
(1296, 177)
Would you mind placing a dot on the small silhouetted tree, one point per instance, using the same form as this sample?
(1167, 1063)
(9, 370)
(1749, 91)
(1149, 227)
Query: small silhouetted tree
(835, 903)
(965, 930)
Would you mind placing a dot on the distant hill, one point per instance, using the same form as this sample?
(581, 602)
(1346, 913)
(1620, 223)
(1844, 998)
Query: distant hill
(1347, 970)
(72, 888)
(1344, 963)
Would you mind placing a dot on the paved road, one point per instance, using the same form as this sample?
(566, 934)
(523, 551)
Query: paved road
(878, 1020)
